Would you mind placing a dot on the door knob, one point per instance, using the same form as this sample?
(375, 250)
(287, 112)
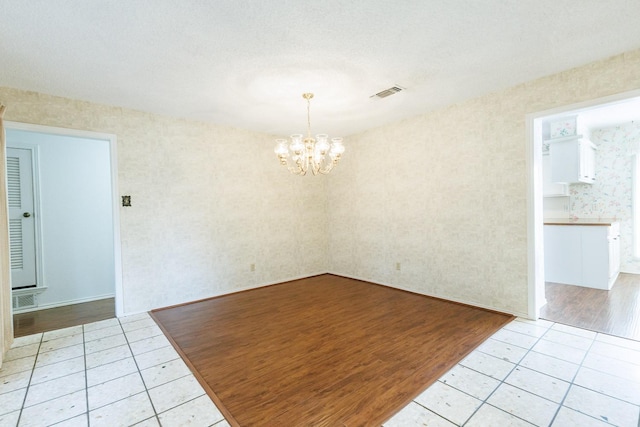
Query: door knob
(26, 214)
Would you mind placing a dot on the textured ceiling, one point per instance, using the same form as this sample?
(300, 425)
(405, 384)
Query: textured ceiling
(246, 63)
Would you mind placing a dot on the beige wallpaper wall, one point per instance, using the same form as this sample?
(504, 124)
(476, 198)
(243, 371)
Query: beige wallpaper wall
(208, 201)
(445, 193)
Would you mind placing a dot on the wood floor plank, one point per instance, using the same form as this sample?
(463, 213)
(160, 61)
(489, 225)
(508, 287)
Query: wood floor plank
(66, 316)
(614, 312)
(322, 351)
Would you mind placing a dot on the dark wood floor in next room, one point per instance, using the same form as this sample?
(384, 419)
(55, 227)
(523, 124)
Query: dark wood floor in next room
(66, 316)
(614, 312)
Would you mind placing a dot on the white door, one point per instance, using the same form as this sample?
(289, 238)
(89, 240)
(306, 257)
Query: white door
(21, 217)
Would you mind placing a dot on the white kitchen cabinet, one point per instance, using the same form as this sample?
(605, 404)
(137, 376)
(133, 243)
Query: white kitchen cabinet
(550, 188)
(572, 160)
(582, 255)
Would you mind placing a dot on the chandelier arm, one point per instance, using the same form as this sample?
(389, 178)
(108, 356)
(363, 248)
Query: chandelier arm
(328, 168)
(300, 164)
(295, 170)
(315, 168)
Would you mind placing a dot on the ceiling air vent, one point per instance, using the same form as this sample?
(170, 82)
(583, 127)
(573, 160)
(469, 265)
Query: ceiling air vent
(387, 92)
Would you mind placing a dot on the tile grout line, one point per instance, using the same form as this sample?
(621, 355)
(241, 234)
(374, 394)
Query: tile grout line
(84, 356)
(571, 384)
(500, 381)
(188, 374)
(66, 375)
(600, 371)
(86, 387)
(433, 412)
(146, 390)
(86, 375)
(137, 370)
(33, 368)
(484, 402)
(528, 350)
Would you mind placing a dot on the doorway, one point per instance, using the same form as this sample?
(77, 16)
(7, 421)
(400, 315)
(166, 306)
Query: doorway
(75, 215)
(603, 117)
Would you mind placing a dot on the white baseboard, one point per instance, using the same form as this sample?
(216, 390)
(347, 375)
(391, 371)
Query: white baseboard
(236, 290)
(443, 297)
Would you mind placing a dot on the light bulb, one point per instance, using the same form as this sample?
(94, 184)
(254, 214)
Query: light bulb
(336, 146)
(281, 147)
(322, 145)
(297, 147)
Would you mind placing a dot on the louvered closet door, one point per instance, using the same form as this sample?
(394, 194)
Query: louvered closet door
(21, 217)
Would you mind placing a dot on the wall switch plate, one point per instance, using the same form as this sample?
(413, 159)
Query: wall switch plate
(126, 201)
(398, 266)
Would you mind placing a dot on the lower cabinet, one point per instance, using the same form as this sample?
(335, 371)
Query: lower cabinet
(583, 255)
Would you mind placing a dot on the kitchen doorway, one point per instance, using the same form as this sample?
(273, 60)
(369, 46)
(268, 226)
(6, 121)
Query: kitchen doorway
(608, 119)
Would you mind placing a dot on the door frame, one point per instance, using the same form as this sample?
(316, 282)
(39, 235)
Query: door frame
(535, 214)
(113, 161)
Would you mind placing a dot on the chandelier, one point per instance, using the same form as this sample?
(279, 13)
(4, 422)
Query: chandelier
(315, 154)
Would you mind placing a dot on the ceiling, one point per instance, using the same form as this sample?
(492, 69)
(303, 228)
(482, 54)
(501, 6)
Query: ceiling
(611, 114)
(246, 63)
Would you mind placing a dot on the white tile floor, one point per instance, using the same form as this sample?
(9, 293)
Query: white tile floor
(536, 374)
(116, 372)
(123, 372)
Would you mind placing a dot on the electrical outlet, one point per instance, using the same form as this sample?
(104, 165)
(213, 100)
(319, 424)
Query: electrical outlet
(252, 267)
(397, 266)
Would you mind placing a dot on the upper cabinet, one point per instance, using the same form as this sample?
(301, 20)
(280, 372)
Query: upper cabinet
(550, 188)
(572, 160)
(571, 155)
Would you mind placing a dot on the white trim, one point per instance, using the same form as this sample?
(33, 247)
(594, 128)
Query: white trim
(31, 290)
(306, 276)
(635, 207)
(442, 297)
(535, 256)
(535, 243)
(112, 139)
(235, 290)
(63, 303)
(134, 313)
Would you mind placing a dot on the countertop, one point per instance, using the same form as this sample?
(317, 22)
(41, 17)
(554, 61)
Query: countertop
(580, 221)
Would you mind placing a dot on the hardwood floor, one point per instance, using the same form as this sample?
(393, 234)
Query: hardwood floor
(614, 312)
(323, 351)
(62, 317)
